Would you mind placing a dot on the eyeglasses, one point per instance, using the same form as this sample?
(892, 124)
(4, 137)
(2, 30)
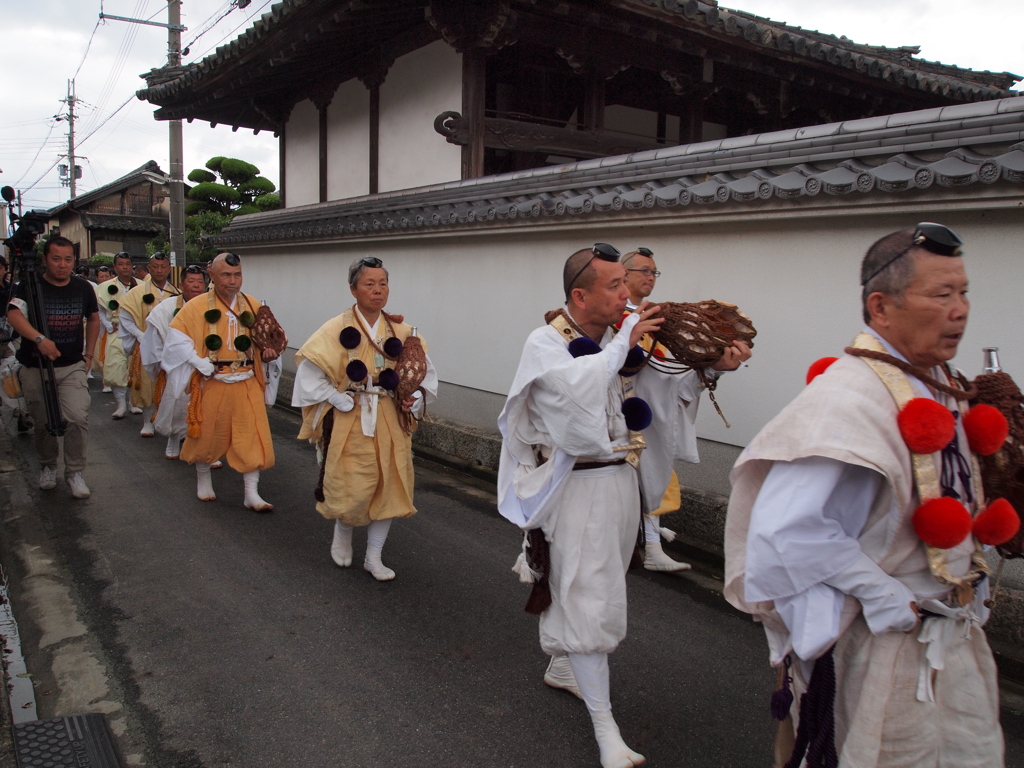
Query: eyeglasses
(602, 251)
(934, 238)
(646, 271)
(371, 261)
(232, 259)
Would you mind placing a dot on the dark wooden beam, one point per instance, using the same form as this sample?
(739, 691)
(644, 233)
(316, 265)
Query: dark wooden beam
(374, 139)
(474, 91)
(282, 172)
(322, 111)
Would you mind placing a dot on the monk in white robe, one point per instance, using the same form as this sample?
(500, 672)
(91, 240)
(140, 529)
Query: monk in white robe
(367, 471)
(657, 467)
(136, 306)
(171, 411)
(821, 547)
(568, 471)
(109, 295)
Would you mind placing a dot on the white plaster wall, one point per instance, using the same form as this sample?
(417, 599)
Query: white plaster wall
(302, 155)
(476, 298)
(348, 141)
(420, 86)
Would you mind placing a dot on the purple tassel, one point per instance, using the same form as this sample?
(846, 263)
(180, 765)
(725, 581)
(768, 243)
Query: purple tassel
(782, 698)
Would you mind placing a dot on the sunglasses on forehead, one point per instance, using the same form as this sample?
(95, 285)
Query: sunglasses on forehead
(602, 251)
(934, 238)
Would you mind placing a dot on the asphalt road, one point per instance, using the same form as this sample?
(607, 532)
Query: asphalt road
(230, 638)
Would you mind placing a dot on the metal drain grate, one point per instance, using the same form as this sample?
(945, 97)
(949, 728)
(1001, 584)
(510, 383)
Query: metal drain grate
(78, 741)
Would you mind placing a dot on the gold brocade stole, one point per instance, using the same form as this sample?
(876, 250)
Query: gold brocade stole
(636, 438)
(926, 477)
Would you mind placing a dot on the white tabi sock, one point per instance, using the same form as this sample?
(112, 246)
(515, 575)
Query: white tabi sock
(252, 494)
(147, 424)
(591, 673)
(121, 398)
(341, 547)
(204, 486)
(173, 449)
(655, 558)
(376, 535)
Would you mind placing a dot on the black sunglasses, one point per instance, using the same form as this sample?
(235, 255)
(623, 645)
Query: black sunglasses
(602, 251)
(934, 238)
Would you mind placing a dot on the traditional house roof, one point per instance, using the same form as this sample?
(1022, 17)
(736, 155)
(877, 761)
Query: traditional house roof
(114, 223)
(142, 173)
(963, 146)
(254, 80)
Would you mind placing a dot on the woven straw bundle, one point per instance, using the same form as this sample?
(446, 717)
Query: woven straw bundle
(698, 334)
(267, 333)
(1003, 471)
(411, 368)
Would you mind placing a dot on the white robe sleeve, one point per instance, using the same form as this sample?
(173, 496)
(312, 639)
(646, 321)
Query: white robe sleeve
(561, 403)
(803, 553)
(128, 332)
(105, 320)
(179, 350)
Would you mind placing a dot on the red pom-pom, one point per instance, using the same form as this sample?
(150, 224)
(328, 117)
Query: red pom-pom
(997, 524)
(926, 425)
(942, 522)
(818, 367)
(986, 428)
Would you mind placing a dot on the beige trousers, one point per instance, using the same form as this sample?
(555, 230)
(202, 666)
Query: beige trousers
(73, 390)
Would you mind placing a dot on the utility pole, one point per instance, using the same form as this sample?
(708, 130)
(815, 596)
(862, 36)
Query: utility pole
(72, 176)
(177, 228)
(176, 183)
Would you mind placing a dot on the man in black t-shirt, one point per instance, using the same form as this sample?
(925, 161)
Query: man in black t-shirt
(66, 299)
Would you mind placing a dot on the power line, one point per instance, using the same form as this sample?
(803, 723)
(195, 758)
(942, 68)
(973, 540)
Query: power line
(233, 31)
(42, 146)
(87, 47)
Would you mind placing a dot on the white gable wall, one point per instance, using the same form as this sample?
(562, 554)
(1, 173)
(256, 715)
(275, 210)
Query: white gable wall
(348, 142)
(302, 155)
(419, 86)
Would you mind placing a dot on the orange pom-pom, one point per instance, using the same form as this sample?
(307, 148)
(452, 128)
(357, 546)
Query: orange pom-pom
(986, 428)
(942, 522)
(818, 367)
(926, 425)
(997, 524)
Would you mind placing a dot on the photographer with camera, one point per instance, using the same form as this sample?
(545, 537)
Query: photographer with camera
(66, 300)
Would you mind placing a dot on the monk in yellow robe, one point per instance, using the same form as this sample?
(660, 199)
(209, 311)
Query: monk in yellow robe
(109, 295)
(345, 384)
(135, 308)
(209, 353)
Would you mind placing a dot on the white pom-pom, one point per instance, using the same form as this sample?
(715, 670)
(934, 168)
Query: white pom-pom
(667, 533)
(523, 570)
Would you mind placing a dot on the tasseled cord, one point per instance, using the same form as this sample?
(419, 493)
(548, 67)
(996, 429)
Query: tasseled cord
(533, 566)
(782, 697)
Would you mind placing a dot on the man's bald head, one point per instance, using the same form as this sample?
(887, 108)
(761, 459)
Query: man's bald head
(226, 273)
(578, 264)
(225, 259)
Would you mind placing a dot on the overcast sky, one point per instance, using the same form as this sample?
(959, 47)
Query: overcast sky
(45, 41)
